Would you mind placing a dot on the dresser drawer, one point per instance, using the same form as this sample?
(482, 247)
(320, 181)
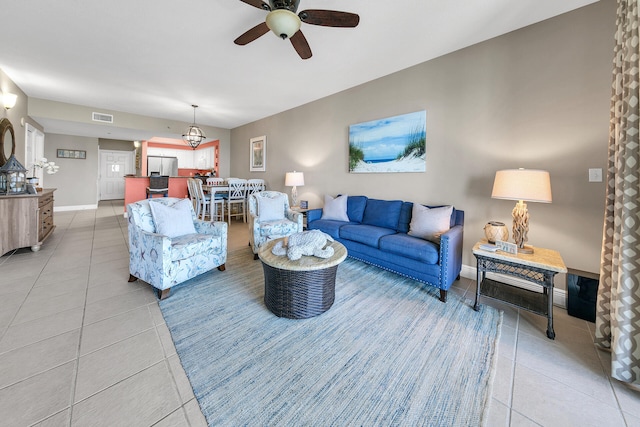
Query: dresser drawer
(45, 220)
(44, 200)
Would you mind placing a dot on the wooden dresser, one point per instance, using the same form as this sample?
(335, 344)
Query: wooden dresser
(26, 220)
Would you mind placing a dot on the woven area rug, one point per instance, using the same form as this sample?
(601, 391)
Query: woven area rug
(387, 353)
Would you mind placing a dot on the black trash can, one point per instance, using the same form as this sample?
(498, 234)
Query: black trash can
(582, 289)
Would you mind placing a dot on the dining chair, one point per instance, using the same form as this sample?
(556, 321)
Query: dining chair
(192, 194)
(218, 199)
(203, 200)
(237, 197)
(255, 185)
(215, 181)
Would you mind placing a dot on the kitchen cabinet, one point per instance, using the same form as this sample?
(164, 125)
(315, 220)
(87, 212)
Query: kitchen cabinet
(202, 158)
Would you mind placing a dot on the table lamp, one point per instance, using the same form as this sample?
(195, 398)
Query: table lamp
(528, 185)
(294, 179)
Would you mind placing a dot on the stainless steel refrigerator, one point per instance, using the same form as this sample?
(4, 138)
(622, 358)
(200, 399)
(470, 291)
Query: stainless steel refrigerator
(165, 166)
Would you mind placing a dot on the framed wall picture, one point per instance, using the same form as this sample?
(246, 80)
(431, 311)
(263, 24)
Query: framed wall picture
(71, 154)
(394, 144)
(258, 154)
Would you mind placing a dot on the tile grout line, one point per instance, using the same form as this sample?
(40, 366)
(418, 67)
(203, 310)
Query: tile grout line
(70, 361)
(84, 312)
(513, 368)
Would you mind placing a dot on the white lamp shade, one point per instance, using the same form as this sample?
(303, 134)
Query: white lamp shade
(283, 23)
(9, 100)
(294, 179)
(522, 184)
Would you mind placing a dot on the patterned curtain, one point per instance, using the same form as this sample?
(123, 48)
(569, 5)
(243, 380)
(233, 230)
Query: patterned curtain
(618, 306)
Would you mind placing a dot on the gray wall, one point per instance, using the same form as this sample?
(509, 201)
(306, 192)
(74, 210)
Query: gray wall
(17, 115)
(77, 179)
(115, 145)
(534, 98)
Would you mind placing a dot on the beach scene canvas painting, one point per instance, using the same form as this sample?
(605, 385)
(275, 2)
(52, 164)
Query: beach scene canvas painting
(394, 144)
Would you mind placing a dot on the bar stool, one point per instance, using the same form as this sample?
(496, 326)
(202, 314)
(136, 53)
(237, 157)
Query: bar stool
(158, 185)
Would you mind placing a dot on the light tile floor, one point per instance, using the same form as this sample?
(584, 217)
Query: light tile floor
(81, 346)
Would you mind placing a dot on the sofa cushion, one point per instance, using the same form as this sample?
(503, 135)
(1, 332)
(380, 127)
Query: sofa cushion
(173, 221)
(430, 224)
(189, 245)
(405, 217)
(365, 234)
(382, 213)
(355, 208)
(410, 247)
(329, 226)
(335, 209)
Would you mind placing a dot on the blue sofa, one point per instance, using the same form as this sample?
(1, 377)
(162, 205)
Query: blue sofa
(376, 233)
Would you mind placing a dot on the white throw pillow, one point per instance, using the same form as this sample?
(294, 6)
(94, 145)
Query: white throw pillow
(429, 224)
(173, 221)
(335, 209)
(270, 209)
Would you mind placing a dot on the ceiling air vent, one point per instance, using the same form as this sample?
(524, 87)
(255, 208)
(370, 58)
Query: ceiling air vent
(101, 117)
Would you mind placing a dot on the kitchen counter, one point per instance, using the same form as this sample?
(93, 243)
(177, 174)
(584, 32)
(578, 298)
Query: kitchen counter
(135, 188)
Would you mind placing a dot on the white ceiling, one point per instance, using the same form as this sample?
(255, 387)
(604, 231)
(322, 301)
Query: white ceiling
(157, 57)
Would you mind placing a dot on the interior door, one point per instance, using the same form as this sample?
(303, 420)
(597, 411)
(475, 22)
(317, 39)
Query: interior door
(34, 151)
(114, 165)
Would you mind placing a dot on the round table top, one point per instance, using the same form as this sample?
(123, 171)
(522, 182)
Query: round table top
(306, 263)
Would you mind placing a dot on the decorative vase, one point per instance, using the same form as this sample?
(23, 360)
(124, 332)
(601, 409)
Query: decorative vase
(495, 230)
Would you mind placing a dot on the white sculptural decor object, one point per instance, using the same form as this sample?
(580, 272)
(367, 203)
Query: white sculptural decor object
(307, 243)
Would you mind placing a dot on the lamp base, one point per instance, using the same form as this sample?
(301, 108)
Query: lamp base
(528, 250)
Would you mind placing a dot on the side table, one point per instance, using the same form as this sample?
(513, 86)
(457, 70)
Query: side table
(304, 215)
(299, 289)
(539, 267)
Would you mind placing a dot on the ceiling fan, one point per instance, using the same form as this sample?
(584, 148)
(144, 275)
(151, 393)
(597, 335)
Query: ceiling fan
(284, 22)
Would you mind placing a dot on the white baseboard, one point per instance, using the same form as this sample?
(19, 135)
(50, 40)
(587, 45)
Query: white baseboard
(559, 295)
(74, 208)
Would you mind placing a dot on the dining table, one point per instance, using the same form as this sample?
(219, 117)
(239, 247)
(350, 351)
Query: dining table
(213, 189)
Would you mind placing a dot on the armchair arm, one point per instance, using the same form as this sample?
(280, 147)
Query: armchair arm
(450, 255)
(294, 216)
(149, 256)
(313, 214)
(217, 228)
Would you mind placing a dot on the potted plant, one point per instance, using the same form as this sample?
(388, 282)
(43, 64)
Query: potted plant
(47, 166)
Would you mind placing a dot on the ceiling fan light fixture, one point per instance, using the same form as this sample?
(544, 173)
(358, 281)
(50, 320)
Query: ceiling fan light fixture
(283, 23)
(194, 135)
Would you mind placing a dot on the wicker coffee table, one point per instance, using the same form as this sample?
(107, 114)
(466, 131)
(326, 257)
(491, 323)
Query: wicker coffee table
(303, 288)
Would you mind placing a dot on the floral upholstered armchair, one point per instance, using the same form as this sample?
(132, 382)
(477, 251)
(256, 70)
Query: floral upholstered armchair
(271, 218)
(168, 245)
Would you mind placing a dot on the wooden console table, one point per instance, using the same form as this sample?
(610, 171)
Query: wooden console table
(27, 220)
(539, 267)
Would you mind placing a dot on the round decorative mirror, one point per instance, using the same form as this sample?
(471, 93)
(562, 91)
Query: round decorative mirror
(7, 141)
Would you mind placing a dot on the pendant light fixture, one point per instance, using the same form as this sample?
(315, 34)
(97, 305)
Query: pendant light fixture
(194, 135)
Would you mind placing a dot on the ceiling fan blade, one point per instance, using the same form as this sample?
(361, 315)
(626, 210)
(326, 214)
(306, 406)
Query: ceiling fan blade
(329, 18)
(257, 3)
(301, 45)
(249, 36)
